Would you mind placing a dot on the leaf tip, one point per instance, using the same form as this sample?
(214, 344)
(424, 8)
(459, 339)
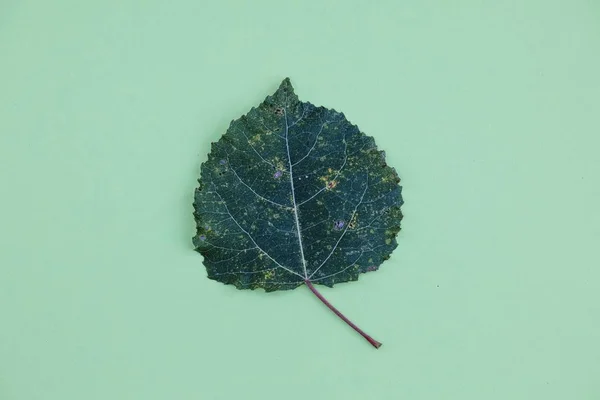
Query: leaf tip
(286, 85)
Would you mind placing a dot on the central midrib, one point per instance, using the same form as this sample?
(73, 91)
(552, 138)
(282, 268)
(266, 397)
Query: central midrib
(295, 208)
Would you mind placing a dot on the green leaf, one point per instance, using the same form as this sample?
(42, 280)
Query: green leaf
(295, 194)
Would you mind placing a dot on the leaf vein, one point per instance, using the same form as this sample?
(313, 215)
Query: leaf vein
(252, 239)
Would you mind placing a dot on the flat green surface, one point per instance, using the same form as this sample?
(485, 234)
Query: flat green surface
(489, 111)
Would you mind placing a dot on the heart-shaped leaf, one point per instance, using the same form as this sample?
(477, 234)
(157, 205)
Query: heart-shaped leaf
(295, 194)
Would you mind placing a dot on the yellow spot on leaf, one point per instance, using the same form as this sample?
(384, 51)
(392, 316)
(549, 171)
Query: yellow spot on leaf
(269, 274)
(352, 223)
(255, 139)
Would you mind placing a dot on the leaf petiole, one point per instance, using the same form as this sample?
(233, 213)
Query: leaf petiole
(373, 342)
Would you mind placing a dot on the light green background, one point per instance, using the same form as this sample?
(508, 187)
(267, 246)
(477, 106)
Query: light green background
(489, 111)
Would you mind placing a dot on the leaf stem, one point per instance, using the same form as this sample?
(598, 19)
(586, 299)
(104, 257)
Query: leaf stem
(373, 342)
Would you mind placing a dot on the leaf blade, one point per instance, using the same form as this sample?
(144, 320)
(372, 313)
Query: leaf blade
(337, 217)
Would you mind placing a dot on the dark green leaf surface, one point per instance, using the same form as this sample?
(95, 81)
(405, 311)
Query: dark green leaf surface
(294, 192)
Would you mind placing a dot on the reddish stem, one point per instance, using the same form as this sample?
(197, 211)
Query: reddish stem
(373, 342)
